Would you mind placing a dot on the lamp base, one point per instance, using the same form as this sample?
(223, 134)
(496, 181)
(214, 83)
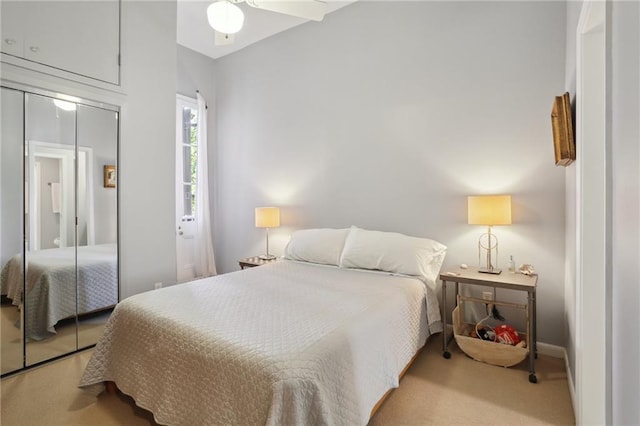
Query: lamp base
(494, 271)
(266, 257)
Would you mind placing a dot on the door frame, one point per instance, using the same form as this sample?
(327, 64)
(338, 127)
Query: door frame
(66, 154)
(593, 221)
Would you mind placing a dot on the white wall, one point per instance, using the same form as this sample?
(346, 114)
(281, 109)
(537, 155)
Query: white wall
(147, 150)
(625, 123)
(386, 116)
(196, 72)
(11, 173)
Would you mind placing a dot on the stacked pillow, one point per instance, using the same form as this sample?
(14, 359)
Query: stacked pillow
(363, 249)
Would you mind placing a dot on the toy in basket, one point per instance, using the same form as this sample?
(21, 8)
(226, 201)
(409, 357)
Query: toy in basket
(503, 351)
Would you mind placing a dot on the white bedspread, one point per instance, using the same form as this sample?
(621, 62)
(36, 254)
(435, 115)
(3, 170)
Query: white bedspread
(284, 343)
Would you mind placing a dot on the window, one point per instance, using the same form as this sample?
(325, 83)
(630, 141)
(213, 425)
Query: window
(186, 181)
(187, 156)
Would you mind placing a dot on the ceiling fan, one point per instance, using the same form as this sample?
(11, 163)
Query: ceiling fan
(227, 19)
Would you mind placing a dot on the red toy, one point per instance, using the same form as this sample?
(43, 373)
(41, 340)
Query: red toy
(507, 335)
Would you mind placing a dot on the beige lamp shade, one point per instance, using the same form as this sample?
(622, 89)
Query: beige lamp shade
(267, 217)
(489, 210)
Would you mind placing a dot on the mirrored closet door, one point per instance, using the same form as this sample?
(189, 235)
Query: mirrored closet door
(59, 224)
(11, 228)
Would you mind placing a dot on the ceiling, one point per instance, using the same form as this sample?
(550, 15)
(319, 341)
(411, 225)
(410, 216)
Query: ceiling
(195, 33)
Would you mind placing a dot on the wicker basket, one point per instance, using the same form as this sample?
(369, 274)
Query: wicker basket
(483, 350)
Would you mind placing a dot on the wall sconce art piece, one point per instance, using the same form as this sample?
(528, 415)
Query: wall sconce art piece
(109, 176)
(489, 210)
(562, 125)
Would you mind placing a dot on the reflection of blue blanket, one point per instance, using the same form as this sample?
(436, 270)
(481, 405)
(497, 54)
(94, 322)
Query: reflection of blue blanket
(51, 291)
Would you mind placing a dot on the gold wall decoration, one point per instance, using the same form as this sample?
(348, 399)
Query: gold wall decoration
(562, 124)
(109, 176)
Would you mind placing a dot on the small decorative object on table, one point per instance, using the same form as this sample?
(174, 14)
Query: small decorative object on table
(250, 262)
(526, 269)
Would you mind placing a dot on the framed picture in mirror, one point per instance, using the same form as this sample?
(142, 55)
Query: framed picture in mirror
(562, 125)
(109, 176)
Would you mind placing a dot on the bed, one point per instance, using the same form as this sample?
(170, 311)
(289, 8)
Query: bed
(51, 285)
(290, 342)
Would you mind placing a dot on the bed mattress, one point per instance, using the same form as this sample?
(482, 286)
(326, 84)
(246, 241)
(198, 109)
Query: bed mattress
(284, 343)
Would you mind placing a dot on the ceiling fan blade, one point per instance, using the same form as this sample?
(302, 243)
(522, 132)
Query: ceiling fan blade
(308, 9)
(222, 39)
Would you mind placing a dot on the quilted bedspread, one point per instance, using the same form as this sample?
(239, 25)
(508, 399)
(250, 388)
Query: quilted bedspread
(284, 343)
(51, 293)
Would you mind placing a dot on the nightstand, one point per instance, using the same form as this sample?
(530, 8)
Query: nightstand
(506, 280)
(250, 262)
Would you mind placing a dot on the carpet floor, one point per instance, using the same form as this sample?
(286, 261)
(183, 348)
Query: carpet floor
(89, 329)
(435, 391)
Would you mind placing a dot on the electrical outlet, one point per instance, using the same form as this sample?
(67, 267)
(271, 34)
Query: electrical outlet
(157, 286)
(487, 295)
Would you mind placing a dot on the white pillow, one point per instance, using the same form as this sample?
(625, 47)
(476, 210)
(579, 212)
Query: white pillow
(393, 252)
(316, 245)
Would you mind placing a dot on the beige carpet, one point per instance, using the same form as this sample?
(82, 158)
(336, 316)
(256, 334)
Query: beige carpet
(435, 391)
(89, 331)
(10, 339)
(461, 391)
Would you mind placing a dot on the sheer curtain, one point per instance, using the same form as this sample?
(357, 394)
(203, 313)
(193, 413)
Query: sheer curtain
(205, 264)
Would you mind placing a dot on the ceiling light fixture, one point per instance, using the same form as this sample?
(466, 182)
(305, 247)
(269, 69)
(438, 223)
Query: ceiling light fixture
(225, 17)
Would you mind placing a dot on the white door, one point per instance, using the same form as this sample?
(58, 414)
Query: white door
(186, 160)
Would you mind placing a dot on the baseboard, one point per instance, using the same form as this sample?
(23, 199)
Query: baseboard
(572, 388)
(551, 350)
(560, 352)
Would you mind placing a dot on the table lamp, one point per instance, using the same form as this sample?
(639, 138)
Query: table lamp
(267, 217)
(489, 210)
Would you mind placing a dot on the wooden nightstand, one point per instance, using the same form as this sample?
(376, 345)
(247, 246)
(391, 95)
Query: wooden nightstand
(250, 262)
(471, 276)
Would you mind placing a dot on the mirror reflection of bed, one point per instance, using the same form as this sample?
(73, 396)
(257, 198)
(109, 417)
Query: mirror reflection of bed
(60, 282)
(59, 256)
